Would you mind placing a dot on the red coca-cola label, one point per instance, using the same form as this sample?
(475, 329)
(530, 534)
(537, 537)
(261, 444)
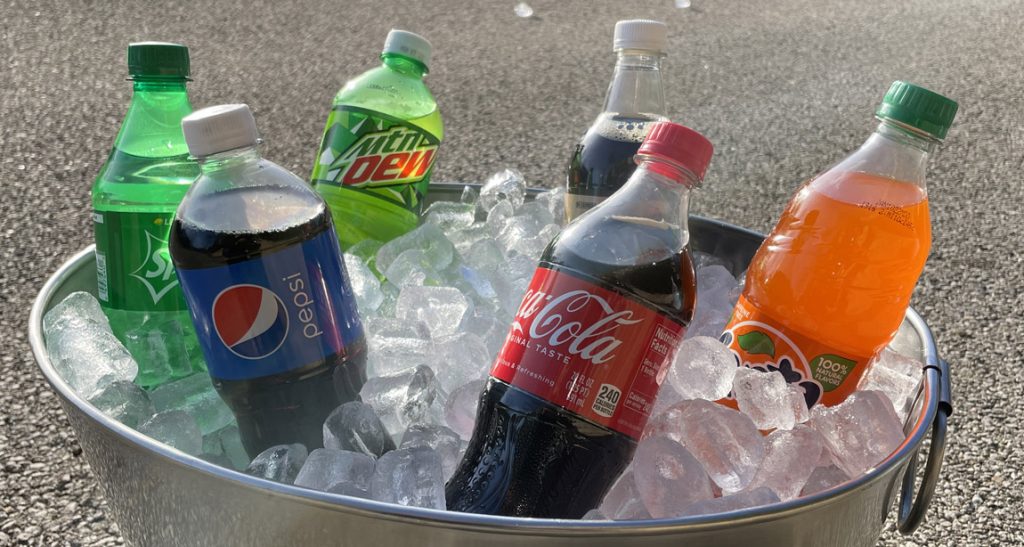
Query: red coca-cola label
(588, 350)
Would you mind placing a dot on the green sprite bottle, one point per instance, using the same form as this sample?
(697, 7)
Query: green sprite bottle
(381, 140)
(134, 198)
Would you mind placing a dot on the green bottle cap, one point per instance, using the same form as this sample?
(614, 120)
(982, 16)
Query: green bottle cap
(919, 108)
(158, 59)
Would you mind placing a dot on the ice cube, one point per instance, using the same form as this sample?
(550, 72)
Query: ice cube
(441, 308)
(708, 321)
(401, 399)
(788, 461)
(412, 267)
(349, 489)
(83, 349)
(354, 426)
(507, 185)
(460, 409)
(427, 238)
(907, 343)
(703, 369)
(823, 478)
(390, 355)
(469, 195)
(176, 428)
(364, 284)
(77, 309)
(450, 216)
(125, 402)
(195, 394)
(484, 255)
(766, 398)
(554, 200)
(668, 477)
(464, 239)
(160, 343)
(714, 278)
(227, 442)
(366, 250)
(726, 442)
(704, 260)
(325, 468)
(460, 358)
(523, 10)
(409, 476)
(860, 432)
(622, 502)
(667, 396)
(444, 441)
(593, 514)
(279, 463)
(899, 388)
(498, 215)
(755, 497)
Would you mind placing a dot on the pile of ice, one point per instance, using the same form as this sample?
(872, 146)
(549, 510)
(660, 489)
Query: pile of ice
(436, 304)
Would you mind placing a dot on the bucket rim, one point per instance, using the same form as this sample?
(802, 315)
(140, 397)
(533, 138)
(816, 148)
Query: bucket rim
(469, 521)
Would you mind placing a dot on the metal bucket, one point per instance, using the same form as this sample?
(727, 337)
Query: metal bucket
(162, 497)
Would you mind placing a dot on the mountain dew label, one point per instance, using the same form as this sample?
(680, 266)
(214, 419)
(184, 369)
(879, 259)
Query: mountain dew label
(824, 374)
(376, 154)
(133, 267)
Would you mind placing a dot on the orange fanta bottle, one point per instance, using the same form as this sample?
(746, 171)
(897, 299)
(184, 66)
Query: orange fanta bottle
(829, 287)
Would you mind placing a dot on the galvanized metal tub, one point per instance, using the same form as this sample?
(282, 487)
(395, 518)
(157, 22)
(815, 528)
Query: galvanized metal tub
(162, 497)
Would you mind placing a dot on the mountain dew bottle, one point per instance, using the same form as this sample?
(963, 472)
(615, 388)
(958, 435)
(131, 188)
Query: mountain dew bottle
(134, 198)
(380, 143)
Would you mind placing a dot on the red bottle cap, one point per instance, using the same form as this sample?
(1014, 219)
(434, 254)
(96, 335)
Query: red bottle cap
(679, 144)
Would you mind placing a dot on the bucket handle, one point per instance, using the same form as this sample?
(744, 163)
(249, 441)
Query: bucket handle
(912, 510)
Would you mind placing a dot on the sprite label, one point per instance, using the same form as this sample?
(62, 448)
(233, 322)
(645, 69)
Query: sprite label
(133, 266)
(376, 154)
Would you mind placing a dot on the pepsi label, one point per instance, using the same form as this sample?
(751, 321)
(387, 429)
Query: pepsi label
(278, 312)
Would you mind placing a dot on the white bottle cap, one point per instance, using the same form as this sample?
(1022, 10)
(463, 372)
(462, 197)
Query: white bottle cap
(219, 129)
(409, 44)
(641, 34)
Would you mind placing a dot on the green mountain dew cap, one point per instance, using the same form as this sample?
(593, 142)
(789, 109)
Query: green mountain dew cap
(158, 59)
(919, 108)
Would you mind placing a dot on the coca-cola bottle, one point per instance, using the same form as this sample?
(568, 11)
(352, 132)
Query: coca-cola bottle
(574, 384)
(602, 160)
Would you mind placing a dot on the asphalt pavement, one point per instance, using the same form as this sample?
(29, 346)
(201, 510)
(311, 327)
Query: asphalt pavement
(783, 88)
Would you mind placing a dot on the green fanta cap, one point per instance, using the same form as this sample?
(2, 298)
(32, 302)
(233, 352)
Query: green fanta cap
(919, 108)
(158, 59)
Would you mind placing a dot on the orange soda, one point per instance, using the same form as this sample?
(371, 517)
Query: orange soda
(829, 287)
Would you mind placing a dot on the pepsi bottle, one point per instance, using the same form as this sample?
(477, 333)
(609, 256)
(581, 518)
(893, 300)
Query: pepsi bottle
(574, 384)
(263, 276)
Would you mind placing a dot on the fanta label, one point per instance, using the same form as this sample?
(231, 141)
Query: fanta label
(273, 313)
(826, 375)
(589, 350)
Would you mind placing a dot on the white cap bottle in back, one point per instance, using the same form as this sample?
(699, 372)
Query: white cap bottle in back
(641, 34)
(218, 129)
(409, 44)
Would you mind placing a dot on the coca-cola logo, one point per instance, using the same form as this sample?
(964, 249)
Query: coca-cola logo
(581, 322)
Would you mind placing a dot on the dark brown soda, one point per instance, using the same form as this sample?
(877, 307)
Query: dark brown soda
(530, 458)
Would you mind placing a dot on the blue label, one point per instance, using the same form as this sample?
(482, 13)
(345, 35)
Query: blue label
(274, 313)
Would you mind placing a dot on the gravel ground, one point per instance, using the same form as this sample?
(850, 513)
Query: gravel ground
(783, 89)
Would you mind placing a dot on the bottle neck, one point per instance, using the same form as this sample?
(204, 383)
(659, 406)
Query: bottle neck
(893, 151)
(152, 125)
(229, 160)
(636, 89)
(404, 65)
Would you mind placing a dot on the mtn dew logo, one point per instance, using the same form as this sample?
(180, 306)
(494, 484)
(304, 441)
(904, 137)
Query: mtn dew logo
(385, 156)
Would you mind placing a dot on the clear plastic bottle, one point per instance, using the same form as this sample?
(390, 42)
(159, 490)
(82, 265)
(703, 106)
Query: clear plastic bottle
(379, 146)
(830, 285)
(603, 159)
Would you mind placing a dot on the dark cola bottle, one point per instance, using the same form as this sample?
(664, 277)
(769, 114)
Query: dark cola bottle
(603, 159)
(262, 272)
(574, 384)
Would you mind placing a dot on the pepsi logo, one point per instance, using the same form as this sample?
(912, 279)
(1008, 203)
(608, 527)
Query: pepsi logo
(251, 321)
